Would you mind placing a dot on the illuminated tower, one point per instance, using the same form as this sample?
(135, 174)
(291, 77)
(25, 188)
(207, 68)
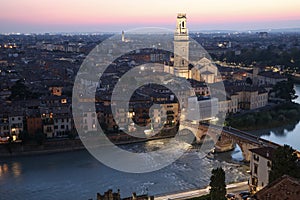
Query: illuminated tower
(181, 47)
(123, 36)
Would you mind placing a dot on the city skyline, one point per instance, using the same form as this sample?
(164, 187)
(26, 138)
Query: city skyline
(110, 16)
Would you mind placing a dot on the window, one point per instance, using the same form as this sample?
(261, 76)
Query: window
(49, 129)
(254, 181)
(269, 164)
(62, 126)
(255, 169)
(255, 157)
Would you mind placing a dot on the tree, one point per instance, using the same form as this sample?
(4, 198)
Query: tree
(19, 91)
(217, 184)
(284, 90)
(284, 162)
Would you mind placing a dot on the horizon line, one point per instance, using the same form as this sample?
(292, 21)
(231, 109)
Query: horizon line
(270, 30)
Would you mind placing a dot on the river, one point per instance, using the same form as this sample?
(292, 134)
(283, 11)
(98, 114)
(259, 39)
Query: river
(288, 134)
(77, 175)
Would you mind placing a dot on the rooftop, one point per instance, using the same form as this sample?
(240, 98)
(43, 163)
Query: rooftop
(271, 74)
(266, 152)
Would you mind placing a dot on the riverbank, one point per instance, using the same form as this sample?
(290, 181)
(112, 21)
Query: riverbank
(57, 146)
(277, 116)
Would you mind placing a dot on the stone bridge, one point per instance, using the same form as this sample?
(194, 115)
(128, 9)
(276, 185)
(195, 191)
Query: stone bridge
(225, 138)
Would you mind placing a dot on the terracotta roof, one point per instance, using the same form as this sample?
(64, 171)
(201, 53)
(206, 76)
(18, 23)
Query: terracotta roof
(288, 187)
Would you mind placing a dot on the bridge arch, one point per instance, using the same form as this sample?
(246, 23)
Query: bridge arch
(187, 135)
(237, 153)
(245, 148)
(225, 138)
(200, 132)
(245, 141)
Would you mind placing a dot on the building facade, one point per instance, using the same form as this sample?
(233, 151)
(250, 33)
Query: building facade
(260, 166)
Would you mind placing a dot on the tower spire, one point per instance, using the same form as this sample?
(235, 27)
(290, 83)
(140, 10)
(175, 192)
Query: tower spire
(181, 47)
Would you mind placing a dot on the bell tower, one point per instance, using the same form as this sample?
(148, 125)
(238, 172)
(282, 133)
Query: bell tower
(181, 47)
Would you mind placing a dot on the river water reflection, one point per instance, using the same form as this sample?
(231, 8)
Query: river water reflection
(77, 175)
(288, 134)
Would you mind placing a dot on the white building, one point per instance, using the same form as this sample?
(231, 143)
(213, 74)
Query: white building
(260, 166)
(62, 122)
(16, 125)
(4, 126)
(205, 70)
(201, 108)
(89, 122)
(48, 123)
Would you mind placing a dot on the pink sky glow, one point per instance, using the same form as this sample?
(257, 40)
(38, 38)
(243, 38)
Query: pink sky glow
(115, 15)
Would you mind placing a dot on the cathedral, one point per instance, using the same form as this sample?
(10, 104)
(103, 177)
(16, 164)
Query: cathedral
(203, 70)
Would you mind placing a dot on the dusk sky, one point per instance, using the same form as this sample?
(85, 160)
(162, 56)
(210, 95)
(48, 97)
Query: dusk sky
(27, 16)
